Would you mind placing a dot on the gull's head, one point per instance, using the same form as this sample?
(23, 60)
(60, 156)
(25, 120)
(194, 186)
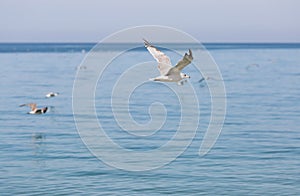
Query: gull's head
(183, 75)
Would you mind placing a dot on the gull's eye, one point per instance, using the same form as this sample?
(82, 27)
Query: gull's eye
(184, 74)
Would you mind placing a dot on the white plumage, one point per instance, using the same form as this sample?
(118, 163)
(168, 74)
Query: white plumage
(168, 73)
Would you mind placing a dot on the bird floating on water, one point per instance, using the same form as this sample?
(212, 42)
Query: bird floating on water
(204, 78)
(208, 78)
(34, 109)
(168, 73)
(52, 94)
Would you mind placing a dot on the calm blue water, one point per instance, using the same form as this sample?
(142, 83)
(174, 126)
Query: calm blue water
(257, 153)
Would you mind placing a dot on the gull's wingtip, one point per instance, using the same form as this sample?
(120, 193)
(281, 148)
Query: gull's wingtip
(190, 52)
(190, 55)
(146, 43)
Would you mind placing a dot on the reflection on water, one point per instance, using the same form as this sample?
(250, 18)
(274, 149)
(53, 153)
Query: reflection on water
(39, 148)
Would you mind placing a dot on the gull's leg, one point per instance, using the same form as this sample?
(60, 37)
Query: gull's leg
(180, 83)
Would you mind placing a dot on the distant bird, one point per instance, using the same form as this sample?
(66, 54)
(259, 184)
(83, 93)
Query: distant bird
(252, 66)
(81, 67)
(208, 78)
(52, 94)
(34, 109)
(201, 80)
(168, 73)
(204, 78)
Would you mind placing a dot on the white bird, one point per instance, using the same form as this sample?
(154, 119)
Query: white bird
(168, 73)
(51, 94)
(34, 109)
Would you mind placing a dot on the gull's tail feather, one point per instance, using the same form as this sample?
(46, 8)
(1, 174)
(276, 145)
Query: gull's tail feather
(45, 109)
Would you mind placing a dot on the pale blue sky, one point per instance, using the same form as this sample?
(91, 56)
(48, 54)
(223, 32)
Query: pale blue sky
(206, 20)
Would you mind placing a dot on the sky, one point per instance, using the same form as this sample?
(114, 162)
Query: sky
(206, 20)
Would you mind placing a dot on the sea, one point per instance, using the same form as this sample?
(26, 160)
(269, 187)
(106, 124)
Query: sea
(257, 151)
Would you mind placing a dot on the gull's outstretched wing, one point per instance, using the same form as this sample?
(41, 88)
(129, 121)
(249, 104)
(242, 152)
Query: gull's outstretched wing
(164, 63)
(187, 59)
(31, 105)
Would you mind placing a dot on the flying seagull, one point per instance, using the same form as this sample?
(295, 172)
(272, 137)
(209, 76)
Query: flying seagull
(52, 94)
(34, 109)
(168, 73)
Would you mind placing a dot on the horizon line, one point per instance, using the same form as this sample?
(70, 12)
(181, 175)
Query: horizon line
(267, 42)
